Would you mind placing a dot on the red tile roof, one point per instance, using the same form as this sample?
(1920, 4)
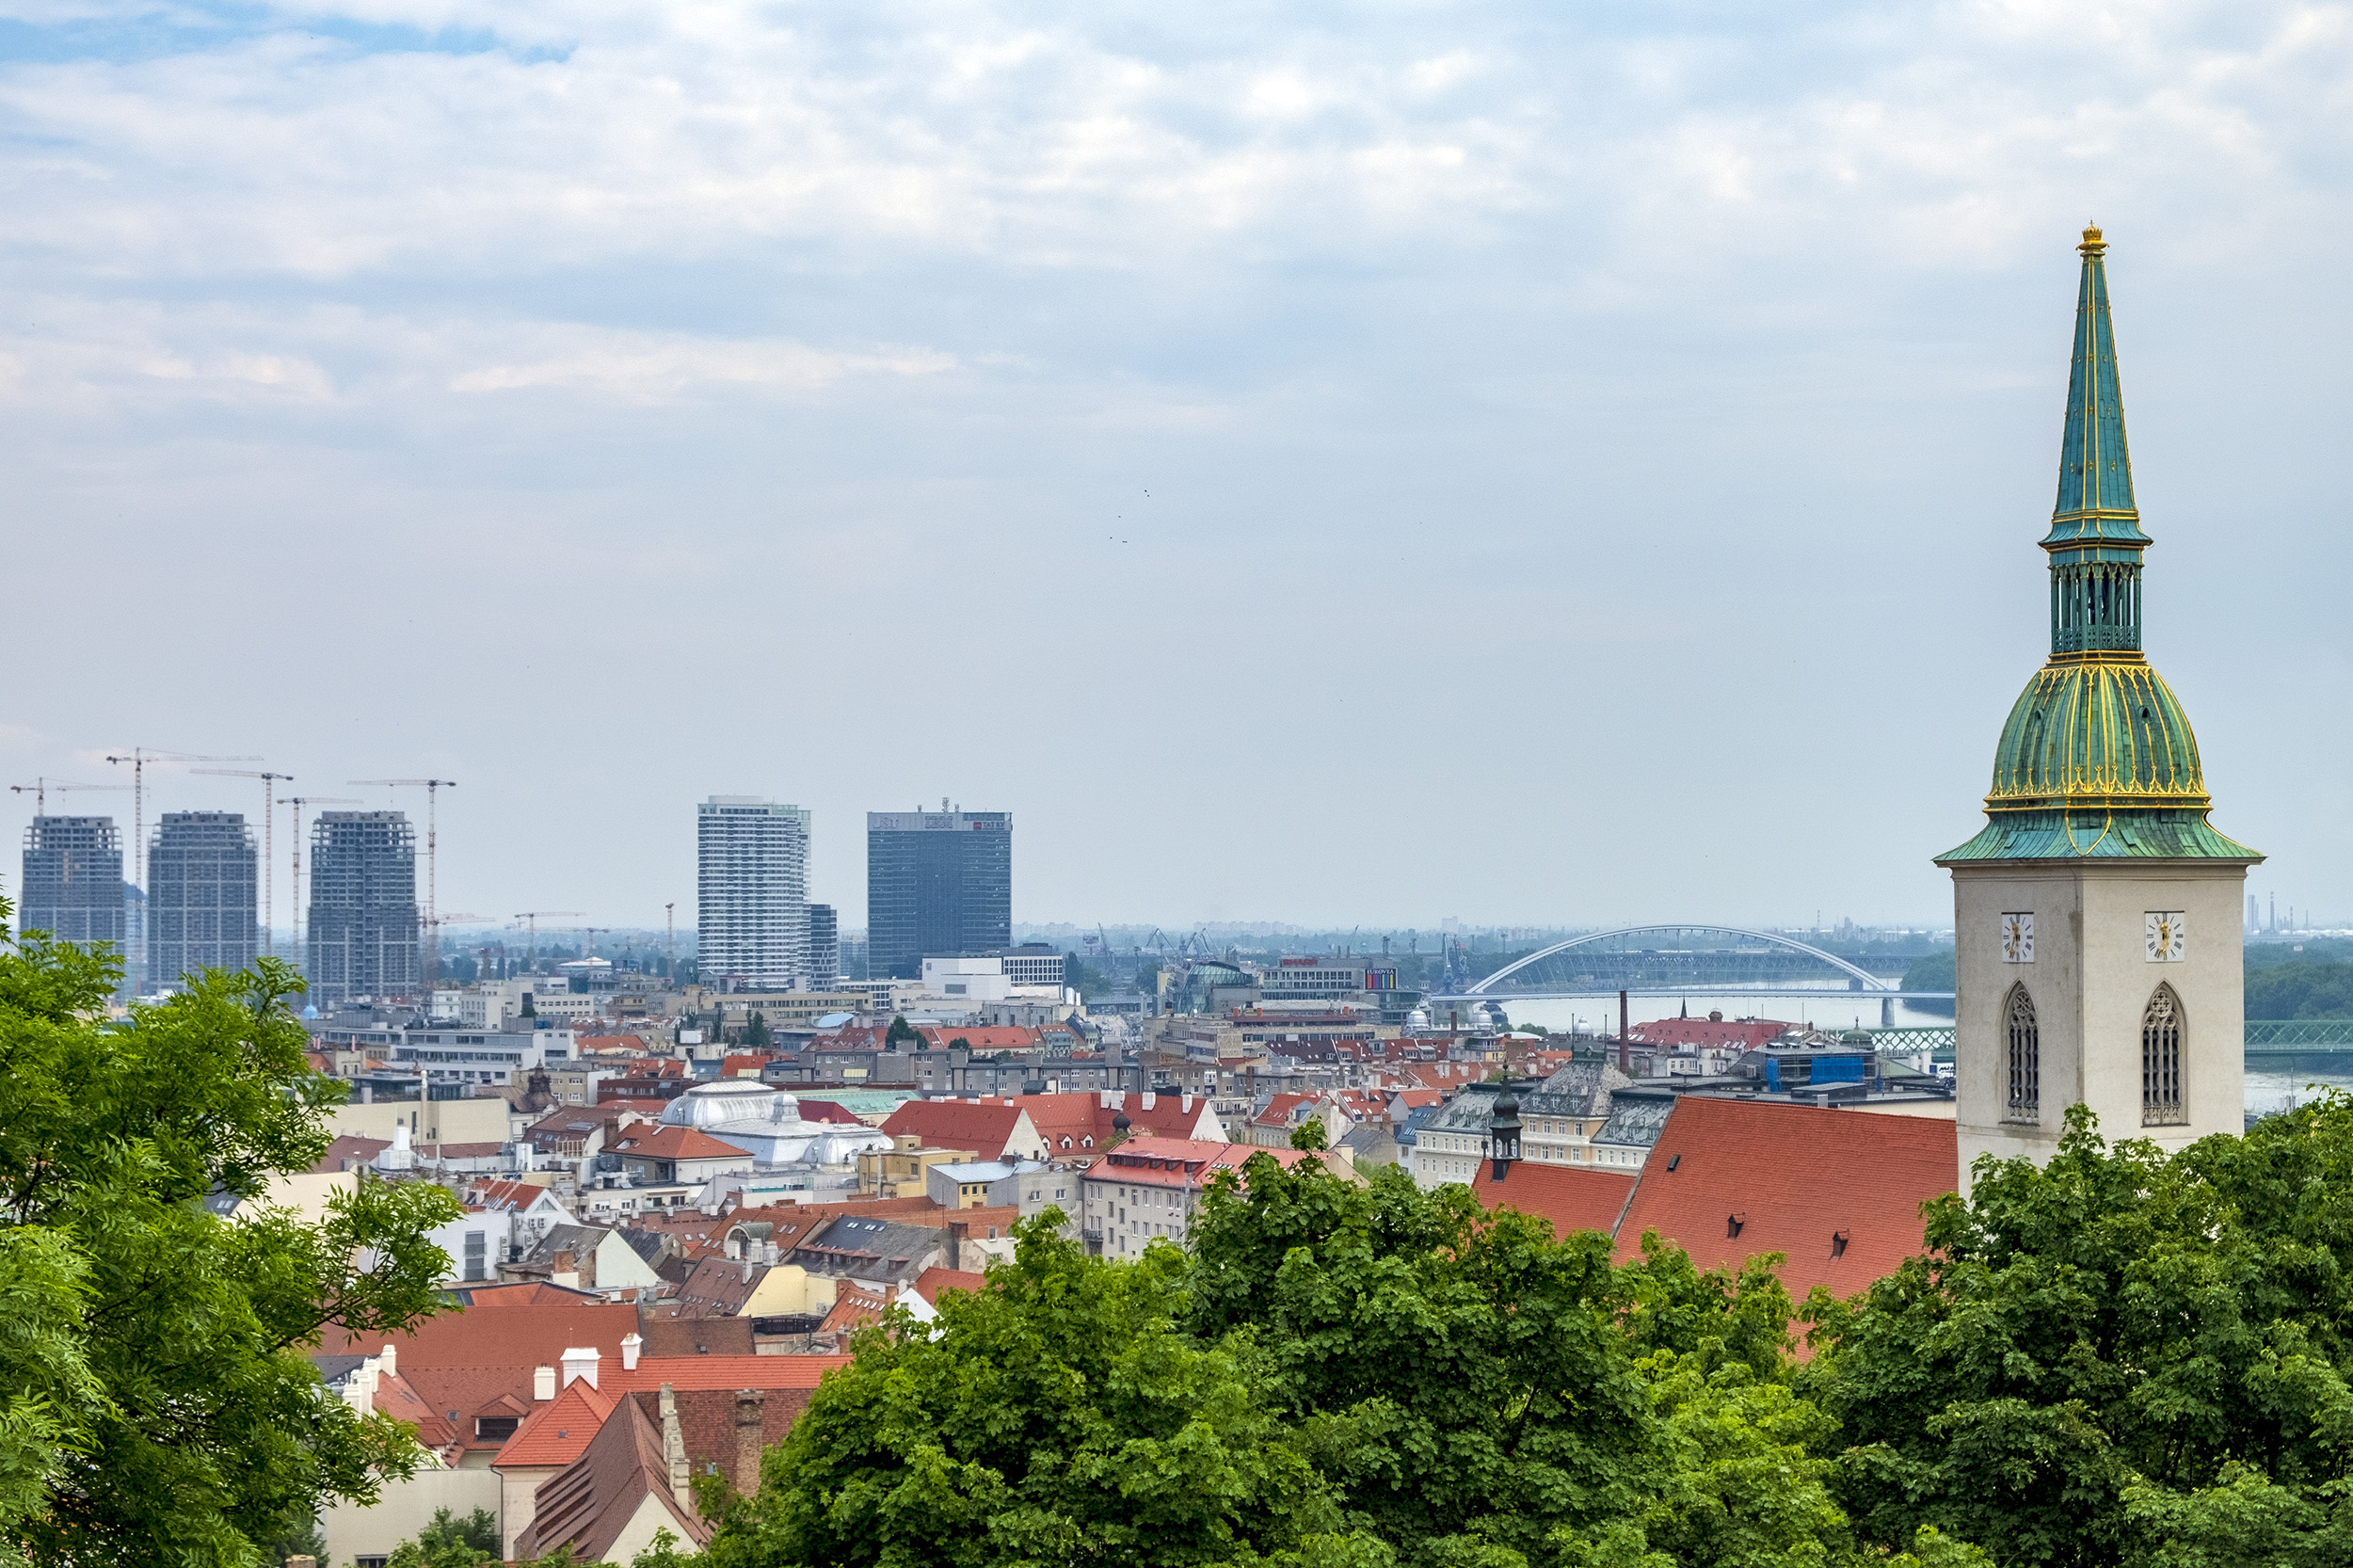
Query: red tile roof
(1076, 1122)
(855, 1306)
(530, 1294)
(988, 1129)
(1571, 1198)
(932, 1281)
(504, 1196)
(984, 1037)
(1181, 1161)
(677, 1142)
(558, 1432)
(1730, 1179)
(348, 1151)
(469, 1360)
(1747, 1034)
(826, 1111)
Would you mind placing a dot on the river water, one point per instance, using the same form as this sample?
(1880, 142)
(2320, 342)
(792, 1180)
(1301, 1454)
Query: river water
(2268, 1090)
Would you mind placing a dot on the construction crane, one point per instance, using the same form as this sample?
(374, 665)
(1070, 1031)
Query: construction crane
(269, 850)
(293, 890)
(138, 756)
(592, 931)
(433, 940)
(432, 788)
(533, 916)
(670, 946)
(40, 789)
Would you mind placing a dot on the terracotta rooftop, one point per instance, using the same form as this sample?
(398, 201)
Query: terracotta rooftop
(826, 1111)
(932, 1281)
(1181, 1161)
(987, 1128)
(677, 1142)
(1839, 1192)
(1076, 1122)
(1571, 1198)
(347, 1152)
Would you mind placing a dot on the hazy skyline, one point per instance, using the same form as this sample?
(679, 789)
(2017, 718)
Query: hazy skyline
(1306, 464)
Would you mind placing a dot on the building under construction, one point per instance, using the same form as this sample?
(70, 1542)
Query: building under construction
(73, 887)
(203, 896)
(362, 940)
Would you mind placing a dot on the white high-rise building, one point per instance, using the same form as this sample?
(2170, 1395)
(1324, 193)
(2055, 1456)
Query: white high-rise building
(752, 891)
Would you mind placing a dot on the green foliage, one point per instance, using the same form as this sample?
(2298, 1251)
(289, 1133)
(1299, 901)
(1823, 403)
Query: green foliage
(2121, 1359)
(1310, 1135)
(155, 1403)
(901, 1033)
(1486, 1393)
(756, 1035)
(449, 1542)
(1058, 1415)
(528, 1011)
(2300, 991)
(1934, 972)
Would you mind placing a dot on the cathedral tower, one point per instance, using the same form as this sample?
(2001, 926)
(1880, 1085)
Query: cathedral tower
(2096, 915)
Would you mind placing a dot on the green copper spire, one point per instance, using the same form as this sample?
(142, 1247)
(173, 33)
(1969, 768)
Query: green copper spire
(2095, 539)
(2098, 760)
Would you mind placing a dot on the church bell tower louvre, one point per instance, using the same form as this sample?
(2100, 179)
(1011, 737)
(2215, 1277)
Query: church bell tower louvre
(2096, 916)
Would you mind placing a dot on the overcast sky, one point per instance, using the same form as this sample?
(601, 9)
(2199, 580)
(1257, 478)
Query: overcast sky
(1536, 463)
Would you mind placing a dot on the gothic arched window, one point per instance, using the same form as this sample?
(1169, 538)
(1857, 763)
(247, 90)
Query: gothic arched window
(2025, 1058)
(2161, 1102)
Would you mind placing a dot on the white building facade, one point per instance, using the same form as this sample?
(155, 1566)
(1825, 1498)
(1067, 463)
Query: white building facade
(752, 892)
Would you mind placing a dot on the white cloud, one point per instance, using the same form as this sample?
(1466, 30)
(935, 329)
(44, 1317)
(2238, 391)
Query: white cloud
(646, 367)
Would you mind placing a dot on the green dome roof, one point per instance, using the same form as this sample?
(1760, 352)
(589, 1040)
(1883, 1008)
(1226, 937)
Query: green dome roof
(2097, 761)
(2097, 758)
(2093, 733)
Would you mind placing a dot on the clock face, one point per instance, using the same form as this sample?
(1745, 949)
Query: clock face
(2166, 938)
(2018, 937)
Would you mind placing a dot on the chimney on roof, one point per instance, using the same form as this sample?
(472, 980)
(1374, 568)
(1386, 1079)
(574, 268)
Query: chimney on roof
(543, 1383)
(389, 1360)
(580, 1362)
(674, 1451)
(959, 1231)
(749, 1402)
(632, 1343)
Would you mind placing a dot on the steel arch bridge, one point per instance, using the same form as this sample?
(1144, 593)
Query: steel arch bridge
(1601, 963)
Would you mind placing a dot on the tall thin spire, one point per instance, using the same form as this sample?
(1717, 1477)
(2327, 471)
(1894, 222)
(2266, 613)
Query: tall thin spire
(2095, 482)
(2095, 539)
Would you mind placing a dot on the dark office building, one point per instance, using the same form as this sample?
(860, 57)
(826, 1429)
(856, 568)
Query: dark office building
(73, 887)
(362, 940)
(203, 896)
(825, 947)
(936, 882)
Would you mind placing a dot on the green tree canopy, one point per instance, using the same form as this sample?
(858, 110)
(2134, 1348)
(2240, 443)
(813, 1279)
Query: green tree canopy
(155, 1404)
(901, 1033)
(1338, 1376)
(2124, 1358)
(1058, 1417)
